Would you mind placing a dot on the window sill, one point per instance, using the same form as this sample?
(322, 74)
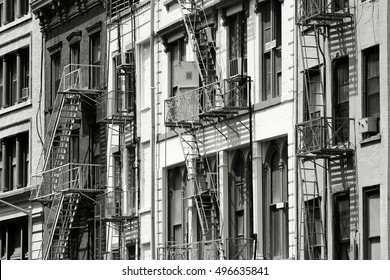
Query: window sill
(15, 107)
(371, 140)
(268, 103)
(15, 22)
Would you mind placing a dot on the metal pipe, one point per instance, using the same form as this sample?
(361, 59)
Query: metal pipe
(295, 136)
(153, 126)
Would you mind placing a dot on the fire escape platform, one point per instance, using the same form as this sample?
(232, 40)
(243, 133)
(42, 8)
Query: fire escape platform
(324, 137)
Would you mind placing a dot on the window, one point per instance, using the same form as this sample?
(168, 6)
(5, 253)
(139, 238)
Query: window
(240, 213)
(14, 162)
(15, 75)
(237, 42)
(177, 54)
(371, 86)
(1, 13)
(14, 239)
(275, 201)
(11, 10)
(272, 39)
(95, 51)
(75, 53)
(13, 80)
(312, 106)
(371, 220)
(340, 5)
(314, 234)
(341, 99)
(341, 227)
(176, 216)
(55, 76)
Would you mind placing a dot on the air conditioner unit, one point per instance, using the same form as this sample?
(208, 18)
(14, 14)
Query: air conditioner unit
(25, 94)
(369, 124)
(238, 67)
(125, 60)
(185, 74)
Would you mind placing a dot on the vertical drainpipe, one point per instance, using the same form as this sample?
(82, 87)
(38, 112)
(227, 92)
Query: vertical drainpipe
(295, 136)
(153, 136)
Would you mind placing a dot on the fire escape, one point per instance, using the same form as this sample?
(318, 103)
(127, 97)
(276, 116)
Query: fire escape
(61, 184)
(191, 110)
(116, 110)
(320, 139)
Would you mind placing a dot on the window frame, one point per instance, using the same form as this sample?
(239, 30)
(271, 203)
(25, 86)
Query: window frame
(271, 50)
(338, 240)
(54, 84)
(366, 53)
(367, 192)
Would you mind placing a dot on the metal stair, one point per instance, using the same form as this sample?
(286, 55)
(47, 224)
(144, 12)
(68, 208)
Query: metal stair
(205, 197)
(64, 225)
(311, 63)
(200, 39)
(312, 224)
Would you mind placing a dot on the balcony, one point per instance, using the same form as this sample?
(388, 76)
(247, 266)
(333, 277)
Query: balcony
(325, 136)
(218, 249)
(81, 79)
(119, 204)
(211, 101)
(115, 107)
(69, 177)
(322, 11)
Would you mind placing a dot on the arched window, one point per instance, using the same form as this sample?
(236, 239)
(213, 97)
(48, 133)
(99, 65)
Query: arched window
(175, 205)
(276, 207)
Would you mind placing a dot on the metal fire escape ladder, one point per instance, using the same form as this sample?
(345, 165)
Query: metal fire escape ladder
(311, 63)
(312, 224)
(203, 196)
(206, 197)
(198, 39)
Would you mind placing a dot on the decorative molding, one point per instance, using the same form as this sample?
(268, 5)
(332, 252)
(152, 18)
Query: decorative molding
(95, 28)
(74, 37)
(55, 48)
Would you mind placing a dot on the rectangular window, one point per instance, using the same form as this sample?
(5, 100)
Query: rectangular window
(95, 50)
(14, 239)
(12, 12)
(75, 53)
(55, 75)
(313, 98)
(371, 86)
(177, 54)
(314, 233)
(340, 5)
(25, 82)
(1, 13)
(341, 100)
(371, 220)
(14, 162)
(237, 43)
(271, 13)
(13, 79)
(342, 230)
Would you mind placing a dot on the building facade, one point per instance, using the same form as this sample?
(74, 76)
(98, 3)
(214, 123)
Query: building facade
(196, 130)
(20, 131)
